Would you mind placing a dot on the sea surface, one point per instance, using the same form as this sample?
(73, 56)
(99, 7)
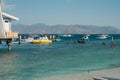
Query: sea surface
(30, 61)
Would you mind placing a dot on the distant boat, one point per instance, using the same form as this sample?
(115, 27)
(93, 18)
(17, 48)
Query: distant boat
(81, 41)
(28, 40)
(67, 35)
(85, 37)
(43, 39)
(102, 36)
(57, 39)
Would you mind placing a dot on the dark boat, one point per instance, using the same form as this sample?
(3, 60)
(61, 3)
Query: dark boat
(81, 41)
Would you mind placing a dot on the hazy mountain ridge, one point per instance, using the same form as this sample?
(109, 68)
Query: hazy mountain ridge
(41, 28)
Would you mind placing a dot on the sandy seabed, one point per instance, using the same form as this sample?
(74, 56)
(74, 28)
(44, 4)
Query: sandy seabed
(107, 73)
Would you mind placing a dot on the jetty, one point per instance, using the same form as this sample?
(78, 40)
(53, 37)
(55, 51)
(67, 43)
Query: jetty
(6, 34)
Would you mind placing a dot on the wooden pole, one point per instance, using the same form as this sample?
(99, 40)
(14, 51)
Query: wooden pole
(112, 42)
(20, 40)
(9, 43)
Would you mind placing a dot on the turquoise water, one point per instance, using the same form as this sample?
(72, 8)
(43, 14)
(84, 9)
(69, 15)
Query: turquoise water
(30, 61)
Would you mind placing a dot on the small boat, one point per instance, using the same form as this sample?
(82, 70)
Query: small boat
(28, 40)
(81, 41)
(43, 39)
(85, 37)
(102, 36)
(57, 39)
(67, 35)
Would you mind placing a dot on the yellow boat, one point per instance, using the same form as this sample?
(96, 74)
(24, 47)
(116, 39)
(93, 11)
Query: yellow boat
(41, 41)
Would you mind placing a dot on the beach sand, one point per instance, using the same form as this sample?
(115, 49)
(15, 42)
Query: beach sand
(109, 73)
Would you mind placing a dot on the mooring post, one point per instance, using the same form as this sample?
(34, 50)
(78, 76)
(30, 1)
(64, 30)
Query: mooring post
(9, 43)
(9, 47)
(20, 39)
(112, 42)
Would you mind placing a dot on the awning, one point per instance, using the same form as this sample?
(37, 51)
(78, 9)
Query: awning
(7, 16)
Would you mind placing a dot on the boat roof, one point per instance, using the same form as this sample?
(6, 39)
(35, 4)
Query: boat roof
(8, 16)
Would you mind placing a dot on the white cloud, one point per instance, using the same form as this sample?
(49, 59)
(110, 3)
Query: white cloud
(6, 6)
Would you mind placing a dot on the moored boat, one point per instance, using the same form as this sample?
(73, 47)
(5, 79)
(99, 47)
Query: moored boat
(85, 37)
(58, 39)
(28, 40)
(43, 39)
(102, 36)
(67, 35)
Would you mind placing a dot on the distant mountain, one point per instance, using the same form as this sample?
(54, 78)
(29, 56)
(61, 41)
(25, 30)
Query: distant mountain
(41, 28)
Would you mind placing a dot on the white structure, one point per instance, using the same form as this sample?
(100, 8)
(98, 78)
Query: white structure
(5, 27)
(7, 21)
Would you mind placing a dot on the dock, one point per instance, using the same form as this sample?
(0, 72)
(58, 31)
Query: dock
(6, 34)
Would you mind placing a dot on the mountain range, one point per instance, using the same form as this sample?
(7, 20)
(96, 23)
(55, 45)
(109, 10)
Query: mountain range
(41, 28)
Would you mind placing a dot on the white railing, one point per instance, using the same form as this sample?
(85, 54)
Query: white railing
(10, 34)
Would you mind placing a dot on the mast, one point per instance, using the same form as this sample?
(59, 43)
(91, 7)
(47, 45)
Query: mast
(2, 29)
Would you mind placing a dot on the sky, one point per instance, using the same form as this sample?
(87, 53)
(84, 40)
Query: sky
(52, 12)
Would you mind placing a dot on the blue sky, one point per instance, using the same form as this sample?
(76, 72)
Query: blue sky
(52, 12)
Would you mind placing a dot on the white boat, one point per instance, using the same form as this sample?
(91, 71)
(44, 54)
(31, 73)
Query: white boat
(28, 40)
(85, 37)
(67, 35)
(102, 36)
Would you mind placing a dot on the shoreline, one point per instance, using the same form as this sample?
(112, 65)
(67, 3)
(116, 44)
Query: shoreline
(108, 73)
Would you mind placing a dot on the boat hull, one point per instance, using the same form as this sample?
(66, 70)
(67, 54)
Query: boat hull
(41, 41)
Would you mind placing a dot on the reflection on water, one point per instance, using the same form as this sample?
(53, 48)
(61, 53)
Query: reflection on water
(7, 64)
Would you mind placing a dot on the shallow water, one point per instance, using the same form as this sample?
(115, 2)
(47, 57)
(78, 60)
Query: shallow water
(30, 61)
